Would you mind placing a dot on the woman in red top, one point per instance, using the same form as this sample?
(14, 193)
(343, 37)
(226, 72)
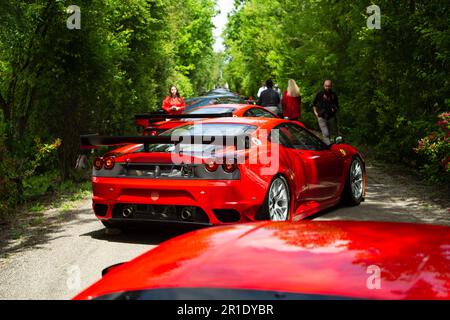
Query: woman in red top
(173, 103)
(292, 101)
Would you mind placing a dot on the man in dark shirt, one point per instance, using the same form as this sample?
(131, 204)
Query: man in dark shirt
(269, 98)
(325, 106)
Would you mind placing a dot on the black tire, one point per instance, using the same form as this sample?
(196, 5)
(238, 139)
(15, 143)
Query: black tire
(353, 196)
(264, 211)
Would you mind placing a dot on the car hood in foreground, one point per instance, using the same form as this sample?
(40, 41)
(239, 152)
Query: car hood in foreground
(372, 260)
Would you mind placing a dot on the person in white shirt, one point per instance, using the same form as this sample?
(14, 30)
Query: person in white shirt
(261, 89)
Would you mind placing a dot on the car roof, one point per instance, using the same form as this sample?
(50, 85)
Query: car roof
(311, 257)
(214, 96)
(236, 106)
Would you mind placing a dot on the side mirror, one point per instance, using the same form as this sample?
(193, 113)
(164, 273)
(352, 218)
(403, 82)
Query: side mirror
(339, 140)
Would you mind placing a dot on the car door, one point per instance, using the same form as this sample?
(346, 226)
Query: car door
(289, 160)
(322, 167)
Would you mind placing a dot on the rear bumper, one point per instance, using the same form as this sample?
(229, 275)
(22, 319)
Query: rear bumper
(158, 222)
(217, 199)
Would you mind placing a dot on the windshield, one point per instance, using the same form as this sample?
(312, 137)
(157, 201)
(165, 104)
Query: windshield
(191, 101)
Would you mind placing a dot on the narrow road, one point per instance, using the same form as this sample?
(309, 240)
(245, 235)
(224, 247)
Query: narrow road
(70, 252)
(69, 255)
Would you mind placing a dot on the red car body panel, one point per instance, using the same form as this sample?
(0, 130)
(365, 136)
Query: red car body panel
(239, 110)
(316, 182)
(309, 257)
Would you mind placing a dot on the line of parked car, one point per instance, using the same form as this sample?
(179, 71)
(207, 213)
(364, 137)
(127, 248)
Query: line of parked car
(227, 162)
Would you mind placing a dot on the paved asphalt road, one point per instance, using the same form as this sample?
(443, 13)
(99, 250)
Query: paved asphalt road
(70, 254)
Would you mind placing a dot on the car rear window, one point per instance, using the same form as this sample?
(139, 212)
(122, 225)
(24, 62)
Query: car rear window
(197, 129)
(210, 110)
(211, 129)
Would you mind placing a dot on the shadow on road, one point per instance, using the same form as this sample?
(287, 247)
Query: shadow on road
(144, 233)
(34, 230)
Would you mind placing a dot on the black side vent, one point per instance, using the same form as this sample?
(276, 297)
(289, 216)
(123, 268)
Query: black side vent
(100, 209)
(227, 215)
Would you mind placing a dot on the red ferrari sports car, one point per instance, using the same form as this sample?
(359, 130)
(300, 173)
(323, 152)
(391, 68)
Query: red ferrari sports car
(278, 260)
(153, 127)
(223, 170)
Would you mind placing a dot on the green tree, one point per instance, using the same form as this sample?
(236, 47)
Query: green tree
(392, 82)
(56, 83)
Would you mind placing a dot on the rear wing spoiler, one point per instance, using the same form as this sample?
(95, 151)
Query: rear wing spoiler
(91, 141)
(144, 120)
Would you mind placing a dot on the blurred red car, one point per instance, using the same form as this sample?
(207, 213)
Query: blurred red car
(153, 127)
(279, 170)
(276, 260)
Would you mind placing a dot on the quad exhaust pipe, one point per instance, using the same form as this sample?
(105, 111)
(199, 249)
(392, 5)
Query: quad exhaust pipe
(128, 211)
(187, 213)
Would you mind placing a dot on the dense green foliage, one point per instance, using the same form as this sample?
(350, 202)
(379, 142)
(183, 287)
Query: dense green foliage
(56, 83)
(392, 82)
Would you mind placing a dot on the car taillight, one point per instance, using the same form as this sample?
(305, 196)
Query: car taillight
(151, 133)
(229, 167)
(109, 163)
(211, 166)
(98, 163)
